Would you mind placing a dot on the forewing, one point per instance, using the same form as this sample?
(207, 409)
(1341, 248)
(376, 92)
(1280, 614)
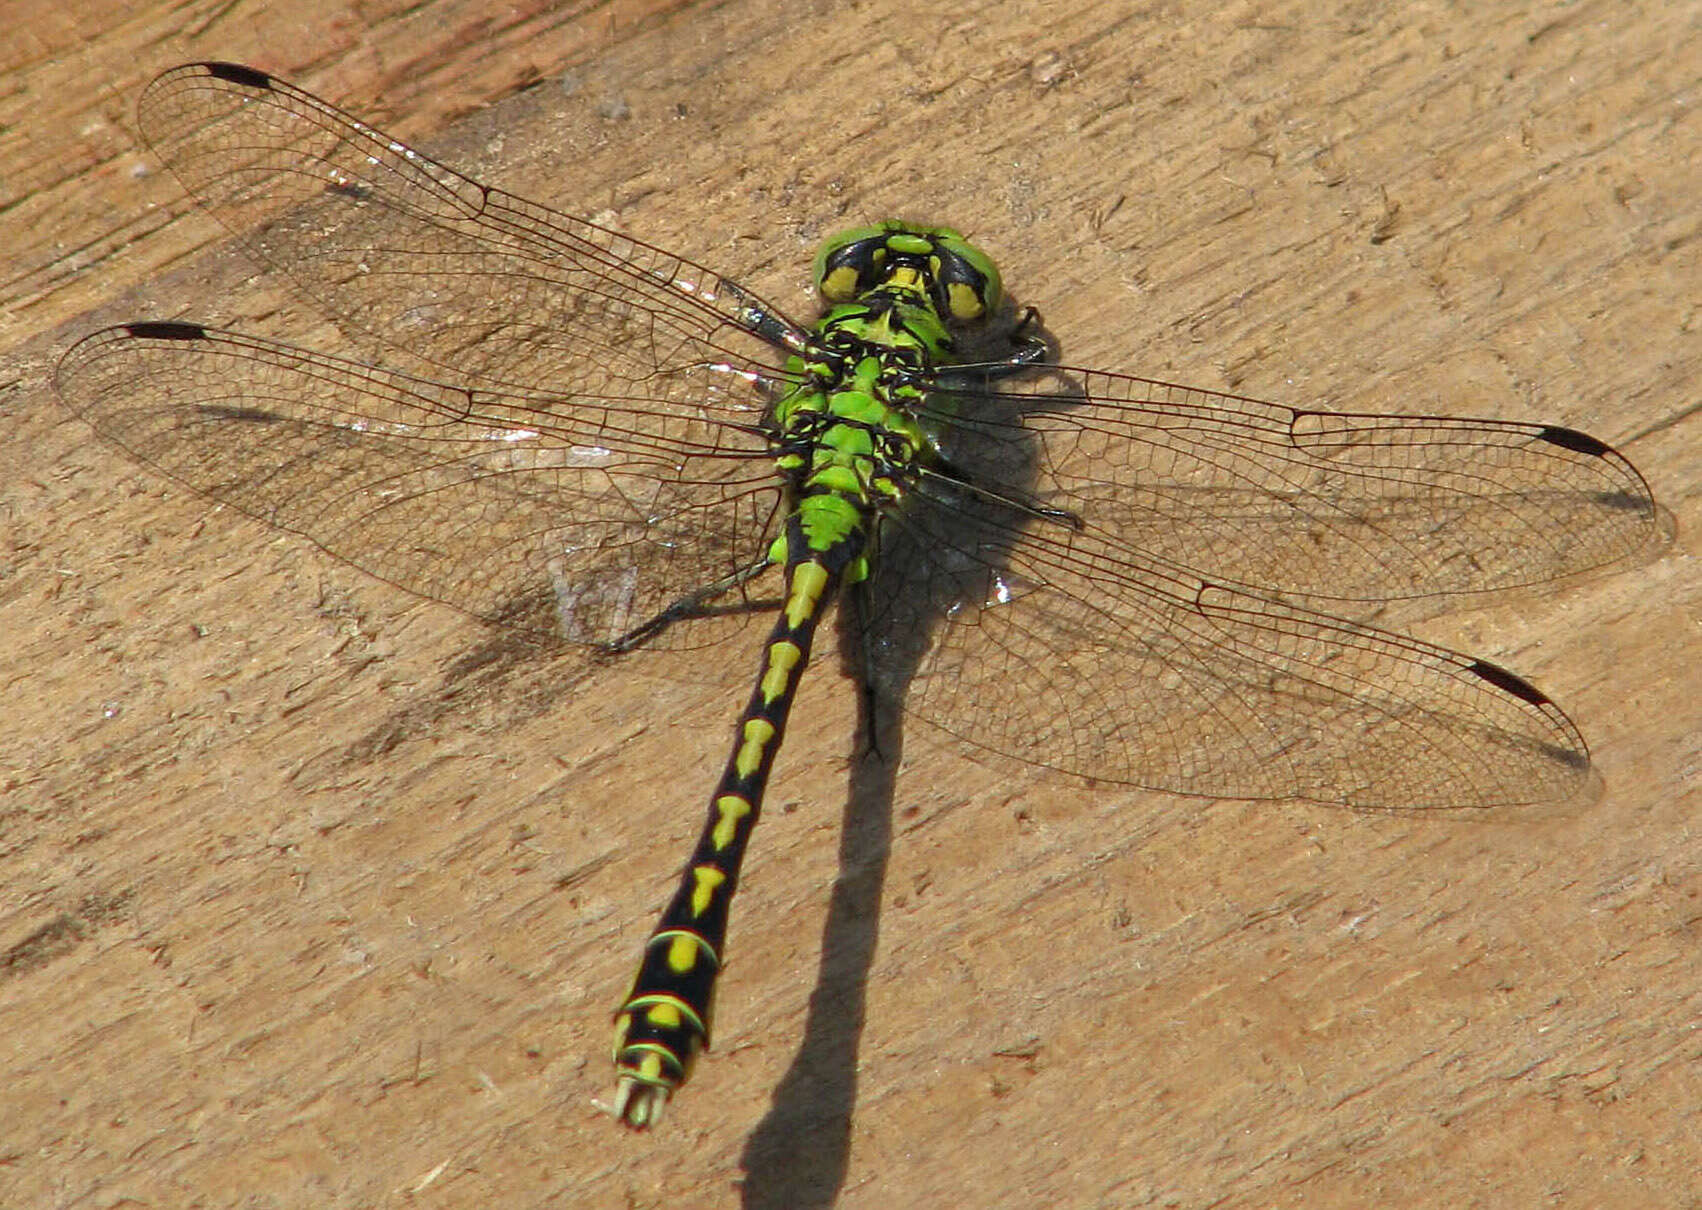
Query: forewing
(1337, 506)
(495, 290)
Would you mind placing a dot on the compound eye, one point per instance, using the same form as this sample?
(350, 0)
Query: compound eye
(963, 288)
(849, 268)
(964, 302)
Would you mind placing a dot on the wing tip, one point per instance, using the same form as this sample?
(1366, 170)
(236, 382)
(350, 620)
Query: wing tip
(237, 73)
(172, 329)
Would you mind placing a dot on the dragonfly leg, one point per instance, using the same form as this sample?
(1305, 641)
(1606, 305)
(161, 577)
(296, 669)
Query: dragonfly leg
(1030, 350)
(696, 604)
(1003, 493)
(859, 662)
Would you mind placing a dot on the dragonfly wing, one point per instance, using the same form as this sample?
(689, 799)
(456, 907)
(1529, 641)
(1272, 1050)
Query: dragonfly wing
(1337, 506)
(1056, 645)
(494, 290)
(578, 516)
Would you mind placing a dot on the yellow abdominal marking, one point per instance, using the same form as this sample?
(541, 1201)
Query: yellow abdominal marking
(729, 809)
(757, 734)
(705, 879)
(783, 657)
(662, 1014)
(682, 954)
(809, 581)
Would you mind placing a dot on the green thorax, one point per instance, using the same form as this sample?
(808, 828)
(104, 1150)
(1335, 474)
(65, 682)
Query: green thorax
(849, 433)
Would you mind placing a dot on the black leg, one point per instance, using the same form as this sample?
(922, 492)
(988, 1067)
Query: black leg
(697, 604)
(859, 663)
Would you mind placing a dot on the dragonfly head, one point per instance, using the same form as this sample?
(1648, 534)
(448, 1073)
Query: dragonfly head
(958, 279)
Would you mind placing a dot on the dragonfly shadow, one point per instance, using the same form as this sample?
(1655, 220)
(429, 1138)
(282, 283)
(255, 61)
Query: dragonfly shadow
(513, 670)
(520, 668)
(799, 1153)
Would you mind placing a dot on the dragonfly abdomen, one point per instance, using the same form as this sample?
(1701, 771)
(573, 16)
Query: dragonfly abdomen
(846, 448)
(667, 1016)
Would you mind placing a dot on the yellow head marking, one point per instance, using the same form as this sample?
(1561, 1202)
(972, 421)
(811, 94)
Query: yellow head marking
(840, 285)
(965, 303)
(907, 276)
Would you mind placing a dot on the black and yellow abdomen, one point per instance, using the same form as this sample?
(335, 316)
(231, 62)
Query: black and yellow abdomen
(846, 446)
(668, 1013)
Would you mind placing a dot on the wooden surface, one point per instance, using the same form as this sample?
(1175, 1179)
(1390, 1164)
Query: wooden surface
(313, 895)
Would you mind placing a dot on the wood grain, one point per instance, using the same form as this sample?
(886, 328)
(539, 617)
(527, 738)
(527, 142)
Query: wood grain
(314, 895)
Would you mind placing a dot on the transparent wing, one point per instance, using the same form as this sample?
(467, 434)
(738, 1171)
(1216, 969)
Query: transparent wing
(580, 517)
(1064, 648)
(1338, 506)
(1086, 582)
(494, 290)
(1131, 633)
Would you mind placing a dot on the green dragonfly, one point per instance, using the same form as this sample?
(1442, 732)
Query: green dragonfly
(1097, 573)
